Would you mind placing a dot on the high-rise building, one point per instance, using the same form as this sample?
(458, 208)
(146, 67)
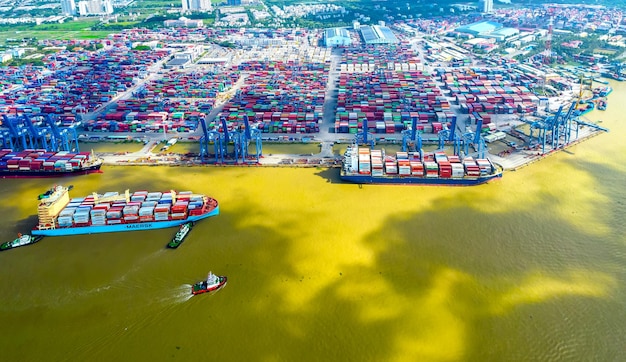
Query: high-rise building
(197, 5)
(95, 7)
(107, 6)
(68, 7)
(487, 6)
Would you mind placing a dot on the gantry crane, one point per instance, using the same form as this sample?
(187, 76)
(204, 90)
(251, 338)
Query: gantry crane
(62, 138)
(364, 137)
(39, 135)
(556, 131)
(18, 135)
(412, 139)
(221, 141)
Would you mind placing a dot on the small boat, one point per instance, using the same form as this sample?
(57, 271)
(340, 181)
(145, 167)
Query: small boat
(20, 241)
(181, 234)
(212, 282)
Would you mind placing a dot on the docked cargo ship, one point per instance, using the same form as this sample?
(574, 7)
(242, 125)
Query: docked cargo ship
(40, 163)
(364, 166)
(112, 212)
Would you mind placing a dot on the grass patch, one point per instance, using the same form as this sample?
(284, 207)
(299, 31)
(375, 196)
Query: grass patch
(54, 34)
(605, 51)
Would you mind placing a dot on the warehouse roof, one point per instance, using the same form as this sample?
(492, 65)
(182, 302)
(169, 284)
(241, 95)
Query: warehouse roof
(377, 34)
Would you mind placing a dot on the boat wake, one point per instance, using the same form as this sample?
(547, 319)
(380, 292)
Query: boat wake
(179, 295)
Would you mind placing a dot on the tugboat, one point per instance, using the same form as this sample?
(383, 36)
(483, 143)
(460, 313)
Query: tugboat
(213, 282)
(20, 241)
(181, 234)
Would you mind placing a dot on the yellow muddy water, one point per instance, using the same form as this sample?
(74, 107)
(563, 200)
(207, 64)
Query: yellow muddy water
(529, 268)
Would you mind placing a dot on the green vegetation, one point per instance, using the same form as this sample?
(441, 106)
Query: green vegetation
(590, 45)
(142, 48)
(375, 10)
(225, 43)
(79, 25)
(66, 35)
(20, 62)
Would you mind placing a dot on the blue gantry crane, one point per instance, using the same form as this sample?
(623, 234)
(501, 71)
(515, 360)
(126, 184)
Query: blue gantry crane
(474, 139)
(6, 140)
(364, 137)
(63, 138)
(221, 141)
(40, 136)
(412, 139)
(556, 131)
(18, 136)
(446, 135)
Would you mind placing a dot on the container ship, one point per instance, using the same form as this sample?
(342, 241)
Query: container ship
(111, 212)
(41, 163)
(364, 166)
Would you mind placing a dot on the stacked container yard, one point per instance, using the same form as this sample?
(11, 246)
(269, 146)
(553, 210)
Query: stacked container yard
(82, 81)
(484, 91)
(151, 115)
(190, 85)
(284, 57)
(17, 76)
(369, 58)
(280, 66)
(389, 101)
(280, 101)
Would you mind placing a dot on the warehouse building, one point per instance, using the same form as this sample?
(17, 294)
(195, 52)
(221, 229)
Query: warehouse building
(336, 37)
(378, 34)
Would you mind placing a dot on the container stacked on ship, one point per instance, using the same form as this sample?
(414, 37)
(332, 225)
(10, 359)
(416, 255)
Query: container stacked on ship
(362, 165)
(41, 163)
(111, 212)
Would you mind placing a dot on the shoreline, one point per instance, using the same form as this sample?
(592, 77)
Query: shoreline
(325, 158)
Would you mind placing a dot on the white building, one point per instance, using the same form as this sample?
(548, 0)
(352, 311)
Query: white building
(68, 7)
(487, 6)
(5, 57)
(336, 37)
(18, 52)
(197, 5)
(183, 22)
(95, 7)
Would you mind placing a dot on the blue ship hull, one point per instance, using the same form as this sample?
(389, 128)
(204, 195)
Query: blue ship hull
(147, 225)
(412, 180)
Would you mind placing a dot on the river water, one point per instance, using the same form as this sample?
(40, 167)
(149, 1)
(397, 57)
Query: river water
(528, 268)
